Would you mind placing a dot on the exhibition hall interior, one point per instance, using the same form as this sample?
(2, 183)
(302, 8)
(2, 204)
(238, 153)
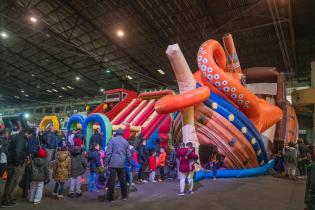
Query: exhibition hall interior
(157, 104)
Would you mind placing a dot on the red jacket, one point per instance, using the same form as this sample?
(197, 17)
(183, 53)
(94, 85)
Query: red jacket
(186, 158)
(152, 163)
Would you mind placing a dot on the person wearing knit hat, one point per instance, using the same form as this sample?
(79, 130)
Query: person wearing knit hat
(117, 153)
(39, 176)
(78, 142)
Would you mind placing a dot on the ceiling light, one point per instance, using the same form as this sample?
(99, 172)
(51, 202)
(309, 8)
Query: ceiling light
(161, 71)
(16, 97)
(102, 89)
(26, 95)
(22, 91)
(33, 19)
(4, 34)
(54, 90)
(68, 86)
(33, 75)
(49, 91)
(53, 83)
(107, 71)
(120, 33)
(26, 115)
(63, 88)
(77, 78)
(129, 77)
(60, 96)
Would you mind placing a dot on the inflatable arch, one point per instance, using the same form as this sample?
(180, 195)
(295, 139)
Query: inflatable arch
(74, 120)
(87, 123)
(104, 124)
(49, 119)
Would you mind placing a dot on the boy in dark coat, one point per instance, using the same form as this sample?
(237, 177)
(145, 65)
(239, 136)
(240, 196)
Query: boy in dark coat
(94, 159)
(39, 175)
(78, 166)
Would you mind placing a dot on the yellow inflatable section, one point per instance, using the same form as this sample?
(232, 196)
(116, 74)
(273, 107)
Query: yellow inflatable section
(49, 119)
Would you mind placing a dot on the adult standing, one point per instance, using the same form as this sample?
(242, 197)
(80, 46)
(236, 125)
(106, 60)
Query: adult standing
(303, 160)
(17, 155)
(96, 138)
(310, 189)
(50, 143)
(142, 157)
(290, 160)
(116, 154)
(187, 157)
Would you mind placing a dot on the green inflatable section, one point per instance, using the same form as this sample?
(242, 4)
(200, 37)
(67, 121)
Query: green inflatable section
(105, 126)
(74, 120)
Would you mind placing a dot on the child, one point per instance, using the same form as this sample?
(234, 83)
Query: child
(213, 164)
(39, 175)
(152, 166)
(279, 163)
(61, 171)
(78, 166)
(94, 158)
(129, 168)
(171, 170)
(161, 163)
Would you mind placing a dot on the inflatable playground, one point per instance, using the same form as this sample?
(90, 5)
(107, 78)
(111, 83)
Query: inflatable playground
(241, 112)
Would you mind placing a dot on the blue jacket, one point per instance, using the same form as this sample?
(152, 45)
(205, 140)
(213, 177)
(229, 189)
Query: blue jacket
(33, 146)
(50, 140)
(94, 159)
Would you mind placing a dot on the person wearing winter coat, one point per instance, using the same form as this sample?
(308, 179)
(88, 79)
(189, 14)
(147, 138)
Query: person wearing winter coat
(304, 155)
(129, 168)
(94, 159)
(17, 155)
(171, 168)
(39, 175)
(152, 166)
(142, 158)
(50, 143)
(161, 163)
(78, 167)
(310, 188)
(290, 160)
(187, 158)
(96, 138)
(61, 171)
(116, 154)
(4, 145)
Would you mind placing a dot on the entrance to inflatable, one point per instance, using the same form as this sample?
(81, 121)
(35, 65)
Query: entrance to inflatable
(75, 121)
(53, 120)
(104, 125)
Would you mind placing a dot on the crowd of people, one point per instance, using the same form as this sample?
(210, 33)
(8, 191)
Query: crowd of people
(32, 159)
(298, 158)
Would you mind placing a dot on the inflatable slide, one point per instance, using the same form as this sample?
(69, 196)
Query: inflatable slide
(218, 111)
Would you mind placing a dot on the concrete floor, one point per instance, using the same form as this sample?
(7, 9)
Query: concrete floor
(247, 193)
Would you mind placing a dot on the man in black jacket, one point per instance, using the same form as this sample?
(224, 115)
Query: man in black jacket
(17, 155)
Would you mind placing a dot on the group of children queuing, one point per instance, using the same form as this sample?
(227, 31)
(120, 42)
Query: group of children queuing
(69, 162)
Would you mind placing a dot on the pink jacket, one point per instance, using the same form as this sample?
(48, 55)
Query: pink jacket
(186, 158)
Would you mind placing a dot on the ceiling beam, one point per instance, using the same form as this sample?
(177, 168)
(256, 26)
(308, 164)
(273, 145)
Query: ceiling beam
(45, 69)
(69, 5)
